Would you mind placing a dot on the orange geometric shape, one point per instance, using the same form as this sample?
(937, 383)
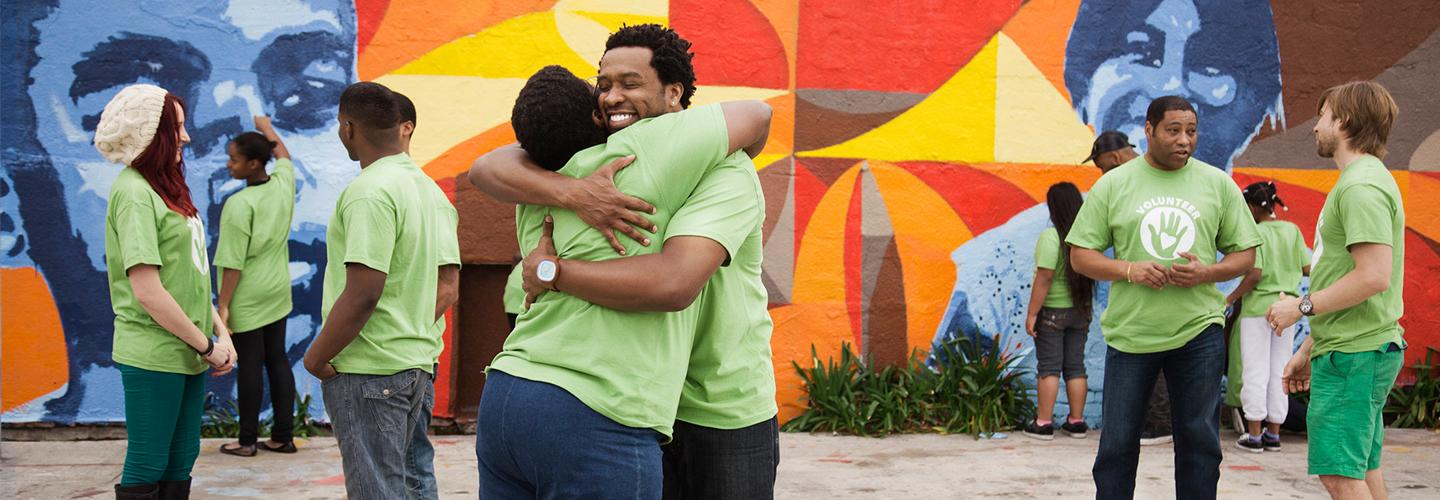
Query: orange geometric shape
(1042, 29)
(784, 17)
(407, 33)
(746, 52)
(35, 361)
(456, 160)
(1035, 179)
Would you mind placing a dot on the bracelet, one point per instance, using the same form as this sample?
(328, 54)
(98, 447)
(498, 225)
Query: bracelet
(209, 346)
(1127, 272)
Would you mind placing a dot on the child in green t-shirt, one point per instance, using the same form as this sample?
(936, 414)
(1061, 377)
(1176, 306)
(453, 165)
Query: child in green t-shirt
(1280, 261)
(1059, 319)
(253, 258)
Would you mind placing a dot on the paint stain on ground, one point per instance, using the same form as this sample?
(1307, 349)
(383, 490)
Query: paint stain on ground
(335, 480)
(1247, 467)
(839, 458)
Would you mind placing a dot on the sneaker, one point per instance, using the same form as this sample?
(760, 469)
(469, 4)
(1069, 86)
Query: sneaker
(1151, 437)
(1042, 432)
(1270, 441)
(1075, 430)
(1250, 443)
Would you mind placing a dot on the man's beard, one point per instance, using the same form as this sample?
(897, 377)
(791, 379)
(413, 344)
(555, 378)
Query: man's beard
(1324, 148)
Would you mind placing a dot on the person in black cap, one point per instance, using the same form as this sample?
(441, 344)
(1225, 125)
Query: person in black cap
(1112, 148)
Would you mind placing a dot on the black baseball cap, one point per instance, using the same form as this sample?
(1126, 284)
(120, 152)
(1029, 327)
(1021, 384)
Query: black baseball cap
(1109, 140)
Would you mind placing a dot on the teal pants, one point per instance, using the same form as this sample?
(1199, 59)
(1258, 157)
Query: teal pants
(162, 420)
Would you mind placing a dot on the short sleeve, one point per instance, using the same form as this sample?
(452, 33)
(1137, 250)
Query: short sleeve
(1260, 258)
(725, 207)
(1091, 228)
(1367, 215)
(1238, 231)
(284, 171)
(1302, 252)
(446, 243)
(370, 233)
(234, 246)
(1047, 250)
(137, 233)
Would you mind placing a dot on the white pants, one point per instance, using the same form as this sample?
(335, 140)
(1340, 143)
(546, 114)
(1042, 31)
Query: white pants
(1263, 356)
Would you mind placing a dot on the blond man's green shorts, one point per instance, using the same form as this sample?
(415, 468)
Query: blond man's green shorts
(1345, 423)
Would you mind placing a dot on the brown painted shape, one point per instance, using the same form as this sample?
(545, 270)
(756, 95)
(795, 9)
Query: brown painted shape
(480, 331)
(487, 226)
(818, 126)
(828, 170)
(887, 326)
(1326, 43)
(775, 183)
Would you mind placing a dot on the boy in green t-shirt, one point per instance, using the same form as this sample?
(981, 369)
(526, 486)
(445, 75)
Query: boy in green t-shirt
(393, 270)
(1167, 215)
(1356, 345)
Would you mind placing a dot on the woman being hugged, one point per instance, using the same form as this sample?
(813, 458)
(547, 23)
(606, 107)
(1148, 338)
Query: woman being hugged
(254, 263)
(1059, 319)
(158, 271)
(1280, 262)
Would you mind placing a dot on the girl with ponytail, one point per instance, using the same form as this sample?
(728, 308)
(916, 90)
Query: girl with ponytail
(1059, 319)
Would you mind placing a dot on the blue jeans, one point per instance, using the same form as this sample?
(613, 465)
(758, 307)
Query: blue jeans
(704, 462)
(420, 457)
(1192, 373)
(374, 417)
(535, 440)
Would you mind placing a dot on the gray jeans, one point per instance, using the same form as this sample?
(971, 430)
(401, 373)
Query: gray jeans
(373, 417)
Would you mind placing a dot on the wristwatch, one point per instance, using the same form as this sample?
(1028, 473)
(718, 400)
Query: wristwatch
(1306, 307)
(547, 271)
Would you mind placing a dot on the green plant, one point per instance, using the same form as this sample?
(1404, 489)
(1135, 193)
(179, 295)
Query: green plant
(1417, 405)
(223, 421)
(971, 390)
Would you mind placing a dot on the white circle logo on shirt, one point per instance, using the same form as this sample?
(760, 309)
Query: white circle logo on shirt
(197, 245)
(1166, 232)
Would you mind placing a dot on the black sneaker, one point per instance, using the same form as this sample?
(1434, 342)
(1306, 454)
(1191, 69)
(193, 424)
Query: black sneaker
(1250, 444)
(1151, 437)
(1075, 430)
(1042, 432)
(1270, 441)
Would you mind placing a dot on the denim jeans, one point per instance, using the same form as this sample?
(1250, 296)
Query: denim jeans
(704, 463)
(535, 440)
(1192, 373)
(420, 457)
(373, 417)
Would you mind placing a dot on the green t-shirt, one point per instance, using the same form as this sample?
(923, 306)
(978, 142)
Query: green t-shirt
(392, 218)
(1281, 259)
(1149, 214)
(254, 239)
(1363, 207)
(628, 366)
(514, 297)
(1047, 256)
(140, 229)
(730, 383)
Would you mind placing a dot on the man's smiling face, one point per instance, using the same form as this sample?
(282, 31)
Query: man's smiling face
(631, 90)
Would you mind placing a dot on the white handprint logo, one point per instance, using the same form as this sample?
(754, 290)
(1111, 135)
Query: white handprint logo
(1166, 232)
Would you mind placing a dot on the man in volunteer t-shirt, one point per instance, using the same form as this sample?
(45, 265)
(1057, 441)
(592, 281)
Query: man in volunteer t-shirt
(1167, 215)
(1356, 345)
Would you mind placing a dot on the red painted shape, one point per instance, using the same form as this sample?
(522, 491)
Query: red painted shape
(909, 46)
(1304, 203)
(854, 262)
(1422, 324)
(808, 191)
(744, 52)
(442, 375)
(447, 185)
(369, 14)
(981, 199)
(335, 480)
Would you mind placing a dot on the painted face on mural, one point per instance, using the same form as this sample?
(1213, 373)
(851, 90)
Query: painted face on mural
(1222, 56)
(630, 88)
(289, 59)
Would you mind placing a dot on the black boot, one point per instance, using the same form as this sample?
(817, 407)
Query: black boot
(175, 490)
(141, 492)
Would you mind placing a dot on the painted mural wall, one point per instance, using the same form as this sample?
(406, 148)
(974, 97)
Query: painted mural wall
(904, 178)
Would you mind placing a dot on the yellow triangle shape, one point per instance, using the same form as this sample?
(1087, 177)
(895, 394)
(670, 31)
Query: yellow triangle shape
(956, 123)
(457, 108)
(1033, 122)
(516, 48)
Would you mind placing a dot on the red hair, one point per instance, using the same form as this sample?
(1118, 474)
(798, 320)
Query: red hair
(158, 162)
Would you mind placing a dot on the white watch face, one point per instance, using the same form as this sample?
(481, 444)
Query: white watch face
(546, 270)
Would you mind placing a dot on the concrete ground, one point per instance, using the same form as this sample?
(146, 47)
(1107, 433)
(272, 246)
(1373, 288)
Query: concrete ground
(812, 466)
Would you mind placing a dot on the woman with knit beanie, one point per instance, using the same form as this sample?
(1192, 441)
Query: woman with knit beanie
(253, 260)
(158, 270)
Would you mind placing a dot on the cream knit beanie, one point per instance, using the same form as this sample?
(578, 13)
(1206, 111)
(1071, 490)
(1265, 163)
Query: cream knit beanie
(128, 123)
